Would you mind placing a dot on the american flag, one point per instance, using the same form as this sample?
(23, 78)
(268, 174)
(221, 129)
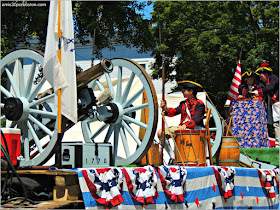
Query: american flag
(236, 81)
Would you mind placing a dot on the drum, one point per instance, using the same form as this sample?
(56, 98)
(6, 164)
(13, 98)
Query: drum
(229, 154)
(190, 148)
(153, 156)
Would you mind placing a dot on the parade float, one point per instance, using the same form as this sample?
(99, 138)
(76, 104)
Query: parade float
(117, 163)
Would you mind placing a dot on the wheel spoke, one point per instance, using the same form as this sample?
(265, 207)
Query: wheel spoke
(109, 133)
(43, 113)
(18, 67)
(133, 98)
(35, 137)
(6, 92)
(2, 118)
(12, 124)
(102, 128)
(119, 85)
(41, 100)
(100, 86)
(116, 140)
(212, 129)
(30, 79)
(13, 83)
(128, 87)
(36, 89)
(131, 132)
(41, 125)
(110, 84)
(137, 122)
(124, 141)
(135, 108)
(92, 84)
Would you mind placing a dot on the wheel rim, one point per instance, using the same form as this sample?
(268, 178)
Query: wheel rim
(123, 133)
(38, 119)
(217, 130)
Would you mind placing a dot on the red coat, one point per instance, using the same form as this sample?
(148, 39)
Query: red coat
(197, 111)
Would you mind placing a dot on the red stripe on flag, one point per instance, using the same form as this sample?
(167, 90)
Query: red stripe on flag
(235, 85)
(237, 79)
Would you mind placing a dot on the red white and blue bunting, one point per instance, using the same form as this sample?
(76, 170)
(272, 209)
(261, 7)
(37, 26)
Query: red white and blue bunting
(173, 179)
(142, 183)
(267, 181)
(192, 187)
(104, 185)
(225, 180)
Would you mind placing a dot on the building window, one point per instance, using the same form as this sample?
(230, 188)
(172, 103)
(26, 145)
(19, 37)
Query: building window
(144, 66)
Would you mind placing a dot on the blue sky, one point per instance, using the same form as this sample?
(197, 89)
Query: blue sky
(147, 11)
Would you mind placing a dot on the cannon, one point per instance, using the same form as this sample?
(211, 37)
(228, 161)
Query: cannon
(108, 110)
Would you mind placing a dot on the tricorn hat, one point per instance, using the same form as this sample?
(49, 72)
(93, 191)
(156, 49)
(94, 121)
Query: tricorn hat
(248, 74)
(189, 84)
(264, 68)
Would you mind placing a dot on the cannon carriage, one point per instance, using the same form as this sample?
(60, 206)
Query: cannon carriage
(110, 108)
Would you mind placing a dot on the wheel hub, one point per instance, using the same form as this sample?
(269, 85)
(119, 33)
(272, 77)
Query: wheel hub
(13, 109)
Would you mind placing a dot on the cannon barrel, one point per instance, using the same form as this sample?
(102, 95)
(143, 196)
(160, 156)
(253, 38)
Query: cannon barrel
(94, 72)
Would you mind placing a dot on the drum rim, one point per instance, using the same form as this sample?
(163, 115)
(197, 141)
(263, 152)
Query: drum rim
(192, 131)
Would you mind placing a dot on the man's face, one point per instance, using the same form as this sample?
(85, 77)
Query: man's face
(187, 93)
(263, 77)
(250, 81)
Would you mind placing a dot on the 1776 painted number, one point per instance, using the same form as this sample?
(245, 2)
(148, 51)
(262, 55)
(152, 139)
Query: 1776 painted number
(98, 160)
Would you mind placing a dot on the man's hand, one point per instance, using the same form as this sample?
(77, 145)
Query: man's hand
(240, 96)
(255, 92)
(182, 127)
(163, 105)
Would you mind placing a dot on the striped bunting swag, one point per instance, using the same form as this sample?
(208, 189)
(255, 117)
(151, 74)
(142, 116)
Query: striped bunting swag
(199, 187)
(141, 183)
(225, 180)
(267, 181)
(173, 180)
(105, 185)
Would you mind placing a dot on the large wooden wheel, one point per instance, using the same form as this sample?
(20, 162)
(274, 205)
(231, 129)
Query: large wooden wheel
(20, 107)
(127, 83)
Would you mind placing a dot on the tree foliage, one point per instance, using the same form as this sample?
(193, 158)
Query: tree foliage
(114, 22)
(21, 24)
(206, 38)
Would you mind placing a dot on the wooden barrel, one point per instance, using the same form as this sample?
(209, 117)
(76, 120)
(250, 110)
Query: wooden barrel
(229, 153)
(153, 156)
(191, 148)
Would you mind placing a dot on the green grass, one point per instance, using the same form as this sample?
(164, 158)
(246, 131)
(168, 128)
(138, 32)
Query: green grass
(264, 154)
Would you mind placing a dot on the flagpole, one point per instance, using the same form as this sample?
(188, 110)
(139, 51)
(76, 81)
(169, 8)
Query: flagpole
(163, 90)
(58, 152)
(59, 58)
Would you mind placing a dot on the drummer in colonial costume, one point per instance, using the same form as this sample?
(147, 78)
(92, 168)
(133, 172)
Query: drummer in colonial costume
(192, 110)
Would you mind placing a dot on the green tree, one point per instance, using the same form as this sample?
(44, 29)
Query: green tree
(206, 39)
(113, 22)
(21, 24)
